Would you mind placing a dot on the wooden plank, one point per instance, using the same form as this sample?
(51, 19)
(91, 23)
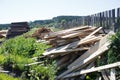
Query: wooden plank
(112, 74)
(94, 32)
(91, 65)
(2, 71)
(79, 33)
(89, 39)
(33, 63)
(91, 50)
(73, 45)
(75, 35)
(54, 34)
(104, 75)
(67, 51)
(62, 60)
(93, 70)
(88, 59)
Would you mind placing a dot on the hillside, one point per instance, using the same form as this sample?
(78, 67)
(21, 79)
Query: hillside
(57, 22)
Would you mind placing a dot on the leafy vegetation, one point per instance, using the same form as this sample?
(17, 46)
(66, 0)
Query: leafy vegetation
(15, 53)
(114, 49)
(7, 77)
(4, 26)
(58, 22)
(113, 54)
(22, 46)
(42, 72)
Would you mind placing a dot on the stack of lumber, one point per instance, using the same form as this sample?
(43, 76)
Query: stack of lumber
(3, 33)
(72, 40)
(76, 50)
(17, 28)
(41, 32)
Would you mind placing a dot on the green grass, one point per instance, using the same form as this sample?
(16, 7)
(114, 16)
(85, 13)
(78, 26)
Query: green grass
(7, 77)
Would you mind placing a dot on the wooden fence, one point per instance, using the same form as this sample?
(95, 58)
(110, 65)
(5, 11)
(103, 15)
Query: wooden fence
(109, 19)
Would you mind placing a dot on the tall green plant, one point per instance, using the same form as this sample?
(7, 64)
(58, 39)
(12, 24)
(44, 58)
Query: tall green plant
(114, 49)
(43, 72)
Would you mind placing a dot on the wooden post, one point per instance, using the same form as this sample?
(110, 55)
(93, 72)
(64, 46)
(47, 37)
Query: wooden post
(100, 19)
(106, 19)
(103, 20)
(95, 22)
(113, 20)
(110, 22)
(118, 17)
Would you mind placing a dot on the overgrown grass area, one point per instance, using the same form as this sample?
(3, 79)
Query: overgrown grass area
(17, 52)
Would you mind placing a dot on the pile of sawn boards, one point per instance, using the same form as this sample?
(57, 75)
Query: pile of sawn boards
(76, 50)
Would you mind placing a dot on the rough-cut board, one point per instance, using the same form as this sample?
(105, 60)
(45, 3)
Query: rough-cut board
(73, 45)
(33, 63)
(75, 35)
(69, 50)
(89, 39)
(91, 65)
(91, 50)
(54, 34)
(104, 75)
(2, 71)
(112, 74)
(94, 32)
(88, 59)
(62, 60)
(79, 33)
(93, 70)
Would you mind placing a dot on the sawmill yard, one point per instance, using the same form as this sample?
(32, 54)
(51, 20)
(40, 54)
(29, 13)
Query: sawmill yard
(72, 54)
(90, 51)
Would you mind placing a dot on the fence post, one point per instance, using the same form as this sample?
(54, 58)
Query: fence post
(113, 20)
(118, 18)
(100, 19)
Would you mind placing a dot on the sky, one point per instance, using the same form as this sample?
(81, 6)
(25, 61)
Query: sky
(30, 10)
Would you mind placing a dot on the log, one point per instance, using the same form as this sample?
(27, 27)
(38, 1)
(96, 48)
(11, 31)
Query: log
(93, 70)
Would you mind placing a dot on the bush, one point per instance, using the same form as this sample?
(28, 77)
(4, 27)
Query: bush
(16, 52)
(43, 72)
(22, 46)
(114, 49)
